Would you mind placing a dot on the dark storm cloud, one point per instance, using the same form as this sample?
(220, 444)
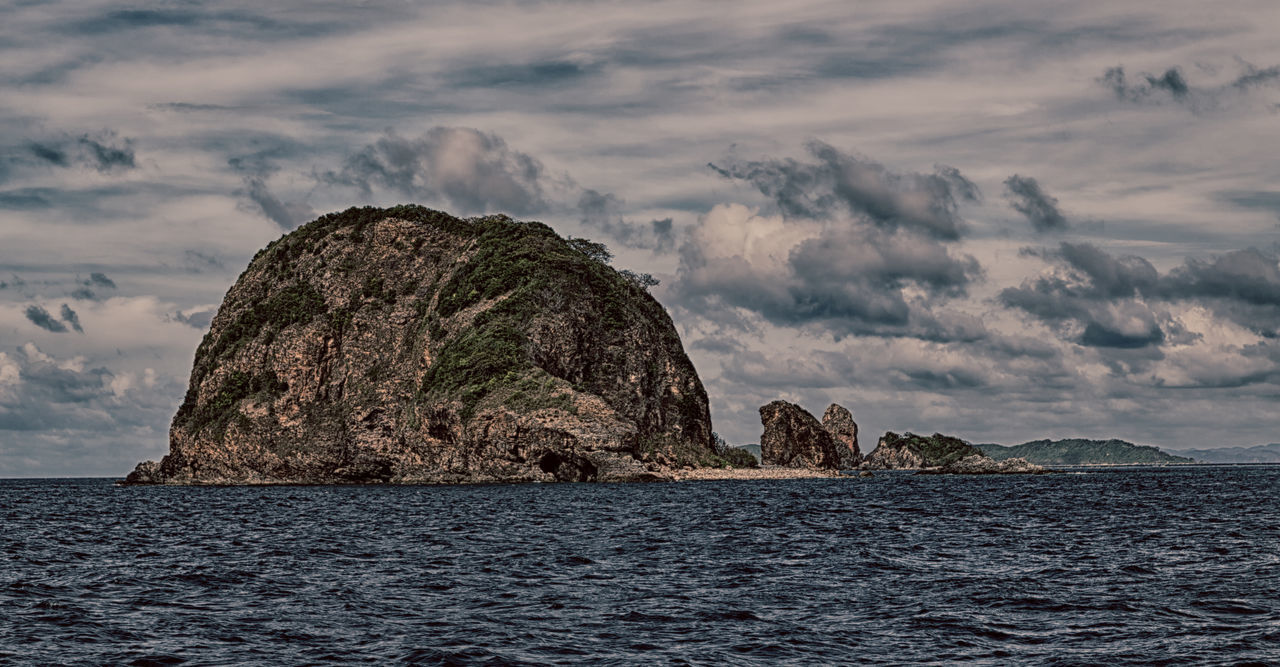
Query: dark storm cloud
(601, 211)
(25, 199)
(197, 261)
(1040, 209)
(70, 317)
(1098, 335)
(1243, 286)
(1170, 83)
(1265, 200)
(54, 155)
(1250, 276)
(103, 151)
(256, 168)
(1173, 86)
(838, 183)
(1116, 300)
(53, 395)
(1109, 276)
(41, 318)
(1097, 293)
(868, 254)
(717, 344)
(187, 107)
(106, 157)
(83, 293)
(286, 215)
(1254, 77)
(196, 319)
(195, 19)
(465, 169)
(537, 74)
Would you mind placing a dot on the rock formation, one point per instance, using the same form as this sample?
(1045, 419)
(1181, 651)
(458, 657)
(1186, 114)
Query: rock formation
(911, 451)
(406, 345)
(940, 455)
(981, 464)
(793, 438)
(839, 423)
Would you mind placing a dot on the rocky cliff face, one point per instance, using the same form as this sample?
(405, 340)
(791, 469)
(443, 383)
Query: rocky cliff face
(406, 345)
(793, 438)
(839, 423)
(911, 451)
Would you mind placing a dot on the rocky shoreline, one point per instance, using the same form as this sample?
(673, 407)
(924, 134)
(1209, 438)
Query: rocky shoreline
(763, 472)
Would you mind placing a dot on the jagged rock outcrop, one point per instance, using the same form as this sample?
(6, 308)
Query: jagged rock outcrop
(911, 451)
(406, 345)
(981, 464)
(793, 438)
(839, 423)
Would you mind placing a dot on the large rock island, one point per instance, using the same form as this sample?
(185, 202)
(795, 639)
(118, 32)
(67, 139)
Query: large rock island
(407, 345)
(940, 454)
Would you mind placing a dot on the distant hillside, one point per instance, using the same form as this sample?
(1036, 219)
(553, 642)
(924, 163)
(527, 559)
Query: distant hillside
(1258, 454)
(1078, 451)
(753, 449)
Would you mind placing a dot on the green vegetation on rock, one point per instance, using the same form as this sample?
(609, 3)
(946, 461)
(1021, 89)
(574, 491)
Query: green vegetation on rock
(936, 449)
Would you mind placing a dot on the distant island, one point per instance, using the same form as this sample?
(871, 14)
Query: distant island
(1080, 451)
(1257, 454)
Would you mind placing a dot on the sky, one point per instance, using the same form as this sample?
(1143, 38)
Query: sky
(998, 220)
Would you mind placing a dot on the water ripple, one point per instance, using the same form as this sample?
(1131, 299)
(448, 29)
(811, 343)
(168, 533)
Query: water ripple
(1169, 565)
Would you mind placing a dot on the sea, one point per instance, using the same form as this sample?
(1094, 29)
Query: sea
(1137, 565)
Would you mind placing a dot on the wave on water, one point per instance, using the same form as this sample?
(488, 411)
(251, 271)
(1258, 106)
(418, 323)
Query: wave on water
(1133, 565)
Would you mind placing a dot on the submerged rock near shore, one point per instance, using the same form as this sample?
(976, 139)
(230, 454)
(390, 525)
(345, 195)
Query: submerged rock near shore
(407, 345)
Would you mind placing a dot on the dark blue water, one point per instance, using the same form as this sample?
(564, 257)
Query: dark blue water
(1140, 565)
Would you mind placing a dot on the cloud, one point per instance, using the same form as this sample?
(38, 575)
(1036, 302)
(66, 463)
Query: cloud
(70, 317)
(844, 277)
(64, 416)
(463, 169)
(49, 153)
(1170, 83)
(197, 261)
(1039, 208)
(841, 184)
(1172, 86)
(41, 318)
(856, 250)
(541, 75)
(601, 211)
(287, 215)
(1263, 200)
(1242, 285)
(198, 317)
(1101, 299)
(1254, 77)
(100, 280)
(104, 152)
(106, 157)
(1123, 302)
